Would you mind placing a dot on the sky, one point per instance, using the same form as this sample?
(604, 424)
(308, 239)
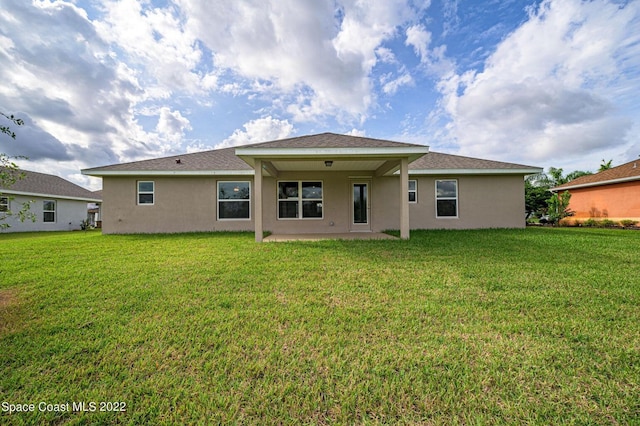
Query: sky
(546, 83)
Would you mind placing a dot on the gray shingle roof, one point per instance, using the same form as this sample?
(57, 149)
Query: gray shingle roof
(50, 186)
(331, 140)
(225, 159)
(439, 161)
(217, 159)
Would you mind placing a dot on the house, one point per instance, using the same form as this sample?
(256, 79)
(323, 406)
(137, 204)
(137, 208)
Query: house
(325, 183)
(58, 205)
(613, 194)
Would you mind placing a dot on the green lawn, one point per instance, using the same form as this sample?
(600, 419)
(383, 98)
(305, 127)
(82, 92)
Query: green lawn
(537, 326)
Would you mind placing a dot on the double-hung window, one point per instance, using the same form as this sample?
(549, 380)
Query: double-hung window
(413, 191)
(4, 204)
(300, 200)
(48, 211)
(447, 198)
(146, 192)
(234, 200)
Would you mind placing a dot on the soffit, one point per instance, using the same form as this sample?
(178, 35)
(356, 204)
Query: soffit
(319, 165)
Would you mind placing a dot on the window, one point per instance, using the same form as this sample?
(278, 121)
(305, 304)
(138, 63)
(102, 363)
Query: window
(413, 191)
(4, 204)
(446, 198)
(300, 200)
(146, 192)
(48, 211)
(234, 200)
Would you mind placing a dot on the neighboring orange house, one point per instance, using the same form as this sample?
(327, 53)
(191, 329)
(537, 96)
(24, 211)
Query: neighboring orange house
(611, 194)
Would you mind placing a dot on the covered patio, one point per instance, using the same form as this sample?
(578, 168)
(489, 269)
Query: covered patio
(359, 165)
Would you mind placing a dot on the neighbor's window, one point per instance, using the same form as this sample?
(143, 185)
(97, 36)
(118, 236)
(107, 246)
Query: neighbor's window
(146, 192)
(4, 204)
(446, 198)
(413, 191)
(300, 200)
(234, 200)
(48, 211)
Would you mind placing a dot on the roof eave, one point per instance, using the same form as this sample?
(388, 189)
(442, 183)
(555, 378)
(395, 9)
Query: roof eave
(528, 171)
(100, 173)
(592, 184)
(248, 154)
(43, 195)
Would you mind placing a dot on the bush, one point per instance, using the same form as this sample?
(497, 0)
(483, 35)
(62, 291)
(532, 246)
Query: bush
(628, 223)
(590, 223)
(607, 223)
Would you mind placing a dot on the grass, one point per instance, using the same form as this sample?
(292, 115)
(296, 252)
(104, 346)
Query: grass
(538, 326)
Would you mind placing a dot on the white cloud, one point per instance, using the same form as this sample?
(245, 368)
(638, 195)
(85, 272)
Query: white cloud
(550, 87)
(317, 55)
(356, 132)
(157, 44)
(391, 87)
(419, 38)
(172, 125)
(259, 130)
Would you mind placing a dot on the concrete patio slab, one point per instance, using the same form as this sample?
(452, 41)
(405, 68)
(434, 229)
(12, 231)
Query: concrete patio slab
(318, 237)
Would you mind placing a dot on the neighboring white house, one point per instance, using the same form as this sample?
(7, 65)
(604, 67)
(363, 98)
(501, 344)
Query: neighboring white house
(58, 205)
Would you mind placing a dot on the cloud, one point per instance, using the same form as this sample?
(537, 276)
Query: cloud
(259, 130)
(31, 141)
(62, 74)
(318, 56)
(156, 43)
(391, 87)
(172, 125)
(419, 38)
(550, 87)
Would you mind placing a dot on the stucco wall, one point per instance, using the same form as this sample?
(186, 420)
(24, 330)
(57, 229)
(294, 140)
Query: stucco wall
(69, 214)
(483, 202)
(615, 202)
(185, 204)
(181, 204)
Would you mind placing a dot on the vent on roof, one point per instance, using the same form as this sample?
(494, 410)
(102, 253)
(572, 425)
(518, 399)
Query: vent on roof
(178, 161)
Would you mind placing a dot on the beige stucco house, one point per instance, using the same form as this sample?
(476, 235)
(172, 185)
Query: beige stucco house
(321, 184)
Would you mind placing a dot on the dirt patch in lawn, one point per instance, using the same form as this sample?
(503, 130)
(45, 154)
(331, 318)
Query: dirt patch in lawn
(8, 300)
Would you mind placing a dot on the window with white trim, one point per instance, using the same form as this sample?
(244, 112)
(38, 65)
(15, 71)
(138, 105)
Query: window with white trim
(447, 198)
(300, 200)
(234, 200)
(413, 191)
(4, 204)
(146, 192)
(48, 211)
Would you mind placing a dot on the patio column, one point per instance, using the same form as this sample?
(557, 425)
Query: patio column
(257, 197)
(404, 198)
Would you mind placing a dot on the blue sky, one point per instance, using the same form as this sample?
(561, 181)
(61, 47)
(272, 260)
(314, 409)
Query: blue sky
(544, 83)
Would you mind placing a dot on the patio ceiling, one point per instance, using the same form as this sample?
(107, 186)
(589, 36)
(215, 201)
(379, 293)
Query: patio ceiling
(381, 161)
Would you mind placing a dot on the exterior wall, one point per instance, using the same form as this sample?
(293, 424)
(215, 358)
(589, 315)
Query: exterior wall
(615, 202)
(483, 202)
(189, 204)
(69, 214)
(336, 189)
(181, 204)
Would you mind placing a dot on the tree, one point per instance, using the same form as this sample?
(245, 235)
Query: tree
(535, 198)
(605, 165)
(559, 207)
(10, 174)
(537, 188)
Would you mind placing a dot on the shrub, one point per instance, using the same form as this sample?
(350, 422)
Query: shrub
(607, 223)
(590, 223)
(628, 223)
